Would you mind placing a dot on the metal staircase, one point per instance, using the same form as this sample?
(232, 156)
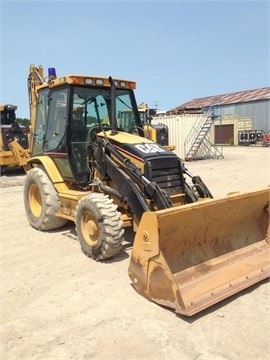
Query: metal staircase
(197, 144)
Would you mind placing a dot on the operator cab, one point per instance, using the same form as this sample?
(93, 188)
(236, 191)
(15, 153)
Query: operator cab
(8, 115)
(69, 116)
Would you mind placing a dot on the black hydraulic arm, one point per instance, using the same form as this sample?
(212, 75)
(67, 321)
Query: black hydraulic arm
(160, 198)
(198, 184)
(126, 187)
(130, 189)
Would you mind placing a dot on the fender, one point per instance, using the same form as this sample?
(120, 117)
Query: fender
(51, 171)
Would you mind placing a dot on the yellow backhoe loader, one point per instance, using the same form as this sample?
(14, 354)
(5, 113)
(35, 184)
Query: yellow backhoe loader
(190, 251)
(10, 130)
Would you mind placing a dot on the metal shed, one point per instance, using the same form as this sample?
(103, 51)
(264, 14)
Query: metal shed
(254, 104)
(229, 114)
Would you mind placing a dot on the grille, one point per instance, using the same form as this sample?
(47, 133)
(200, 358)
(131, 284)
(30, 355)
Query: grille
(166, 172)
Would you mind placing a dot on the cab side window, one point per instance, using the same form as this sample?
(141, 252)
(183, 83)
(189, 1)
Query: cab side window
(57, 119)
(39, 131)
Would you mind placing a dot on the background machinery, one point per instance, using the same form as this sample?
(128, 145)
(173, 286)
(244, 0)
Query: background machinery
(90, 166)
(254, 137)
(158, 133)
(10, 130)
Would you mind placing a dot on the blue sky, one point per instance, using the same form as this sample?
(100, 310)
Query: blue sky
(175, 50)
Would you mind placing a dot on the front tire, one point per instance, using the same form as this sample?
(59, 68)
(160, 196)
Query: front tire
(98, 225)
(41, 201)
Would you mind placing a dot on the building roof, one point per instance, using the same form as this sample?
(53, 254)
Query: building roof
(224, 99)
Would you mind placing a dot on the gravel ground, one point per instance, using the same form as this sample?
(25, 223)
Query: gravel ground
(57, 304)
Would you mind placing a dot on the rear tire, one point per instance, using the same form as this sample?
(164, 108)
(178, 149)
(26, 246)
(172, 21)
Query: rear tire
(99, 227)
(41, 201)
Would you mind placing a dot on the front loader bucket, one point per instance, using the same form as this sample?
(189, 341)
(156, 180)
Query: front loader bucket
(193, 256)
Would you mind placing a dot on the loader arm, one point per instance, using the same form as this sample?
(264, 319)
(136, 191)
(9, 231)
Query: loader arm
(198, 184)
(124, 178)
(127, 188)
(160, 198)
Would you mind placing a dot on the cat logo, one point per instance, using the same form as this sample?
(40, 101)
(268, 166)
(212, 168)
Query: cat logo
(150, 148)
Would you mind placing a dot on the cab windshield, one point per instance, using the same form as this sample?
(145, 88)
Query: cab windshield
(92, 106)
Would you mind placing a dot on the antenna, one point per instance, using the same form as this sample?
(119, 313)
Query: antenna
(155, 104)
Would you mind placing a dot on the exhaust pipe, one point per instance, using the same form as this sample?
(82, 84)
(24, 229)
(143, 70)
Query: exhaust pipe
(113, 107)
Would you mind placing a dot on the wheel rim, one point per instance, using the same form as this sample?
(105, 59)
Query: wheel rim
(35, 200)
(89, 228)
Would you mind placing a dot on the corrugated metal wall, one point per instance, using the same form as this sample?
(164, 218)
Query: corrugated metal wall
(258, 111)
(251, 115)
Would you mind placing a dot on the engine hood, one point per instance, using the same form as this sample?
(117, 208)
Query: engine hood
(137, 146)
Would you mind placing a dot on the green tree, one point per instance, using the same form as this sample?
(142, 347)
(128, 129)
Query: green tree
(24, 122)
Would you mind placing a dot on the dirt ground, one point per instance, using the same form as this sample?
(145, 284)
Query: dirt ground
(57, 304)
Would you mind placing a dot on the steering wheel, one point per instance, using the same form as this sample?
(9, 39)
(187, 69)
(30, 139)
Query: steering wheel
(92, 132)
(134, 131)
